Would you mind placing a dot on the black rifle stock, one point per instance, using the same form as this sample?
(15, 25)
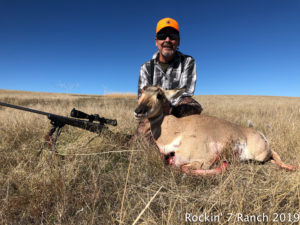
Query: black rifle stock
(59, 121)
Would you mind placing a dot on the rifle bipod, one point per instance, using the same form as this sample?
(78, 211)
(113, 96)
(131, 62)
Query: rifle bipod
(48, 138)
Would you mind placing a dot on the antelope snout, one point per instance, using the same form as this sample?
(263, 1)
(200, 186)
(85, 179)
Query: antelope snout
(141, 112)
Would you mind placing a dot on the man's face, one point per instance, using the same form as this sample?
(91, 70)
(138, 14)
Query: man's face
(169, 42)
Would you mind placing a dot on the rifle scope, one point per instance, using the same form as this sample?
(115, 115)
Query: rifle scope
(79, 114)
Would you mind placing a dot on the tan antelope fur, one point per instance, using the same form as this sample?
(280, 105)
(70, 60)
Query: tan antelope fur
(196, 143)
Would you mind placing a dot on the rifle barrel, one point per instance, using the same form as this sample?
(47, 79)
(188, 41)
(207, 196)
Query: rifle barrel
(24, 108)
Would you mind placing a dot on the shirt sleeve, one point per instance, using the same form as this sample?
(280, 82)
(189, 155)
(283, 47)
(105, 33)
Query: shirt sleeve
(144, 79)
(187, 80)
(189, 77)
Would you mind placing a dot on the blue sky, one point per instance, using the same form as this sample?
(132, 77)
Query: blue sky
(241, 47)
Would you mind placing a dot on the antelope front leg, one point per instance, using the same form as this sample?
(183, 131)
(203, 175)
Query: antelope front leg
(195, 169)
(172, 147)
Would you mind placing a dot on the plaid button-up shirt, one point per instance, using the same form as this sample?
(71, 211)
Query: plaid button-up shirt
(180, 73)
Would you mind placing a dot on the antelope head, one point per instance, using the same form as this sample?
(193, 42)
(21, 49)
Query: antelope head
(152, 100)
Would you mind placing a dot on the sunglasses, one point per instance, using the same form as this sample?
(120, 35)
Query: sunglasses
(163, 36)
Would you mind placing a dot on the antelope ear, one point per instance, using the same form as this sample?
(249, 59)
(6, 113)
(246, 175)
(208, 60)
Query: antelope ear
(173, 94)
(144, 88)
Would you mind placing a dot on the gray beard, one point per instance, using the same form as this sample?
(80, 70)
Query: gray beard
(168, 54)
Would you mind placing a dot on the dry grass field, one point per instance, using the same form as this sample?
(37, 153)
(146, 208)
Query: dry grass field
(96, 179)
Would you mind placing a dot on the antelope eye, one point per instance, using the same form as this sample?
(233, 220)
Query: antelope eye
(159, 96)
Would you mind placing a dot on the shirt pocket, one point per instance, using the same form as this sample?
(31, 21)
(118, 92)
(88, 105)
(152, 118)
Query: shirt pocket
(175, 83)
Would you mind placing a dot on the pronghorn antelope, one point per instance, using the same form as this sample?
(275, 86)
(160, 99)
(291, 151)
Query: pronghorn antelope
(197, 142)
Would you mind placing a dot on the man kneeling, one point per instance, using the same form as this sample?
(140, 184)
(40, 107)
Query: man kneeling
(170, 69)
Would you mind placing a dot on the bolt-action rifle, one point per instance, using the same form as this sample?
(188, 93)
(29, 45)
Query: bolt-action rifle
(59, 121)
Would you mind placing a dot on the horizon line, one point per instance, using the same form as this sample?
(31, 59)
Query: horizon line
(134, 94)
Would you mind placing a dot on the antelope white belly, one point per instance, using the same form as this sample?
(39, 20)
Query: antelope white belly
(241, 149)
